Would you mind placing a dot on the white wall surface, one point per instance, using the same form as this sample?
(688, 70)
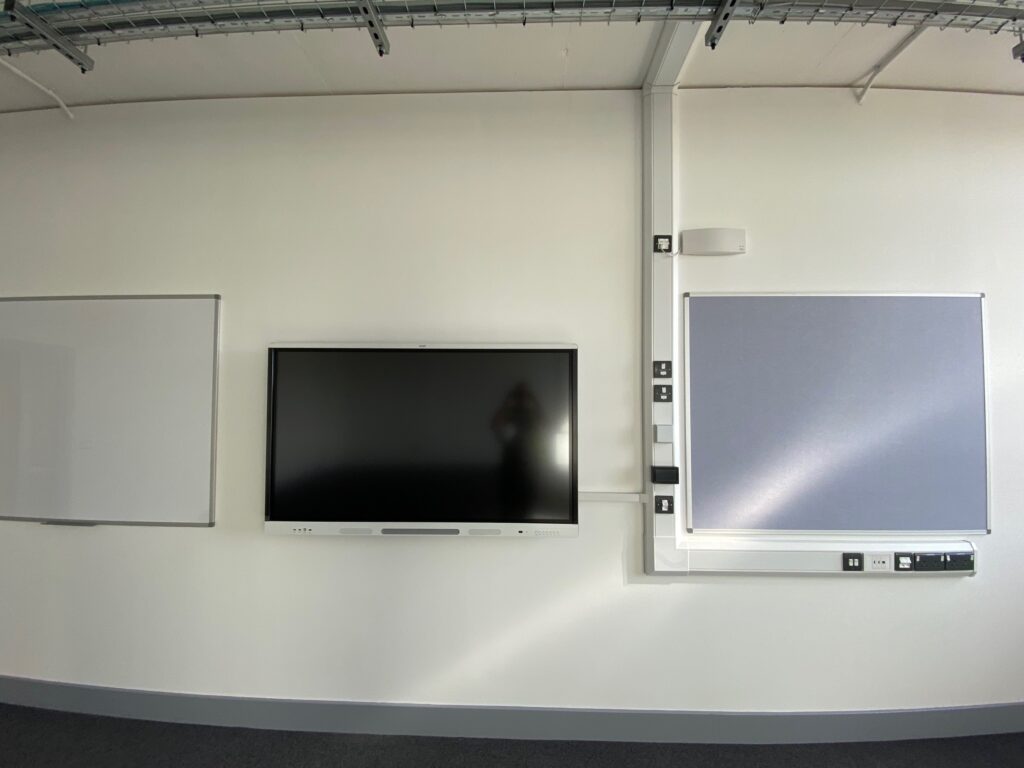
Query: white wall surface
(462, 218)
(502, 218)
(912, 191)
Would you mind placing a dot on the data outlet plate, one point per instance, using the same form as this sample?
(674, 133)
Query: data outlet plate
(879, 562)
(929, 561)
(960, 561)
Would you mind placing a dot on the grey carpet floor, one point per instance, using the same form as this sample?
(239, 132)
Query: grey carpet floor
(36, 737)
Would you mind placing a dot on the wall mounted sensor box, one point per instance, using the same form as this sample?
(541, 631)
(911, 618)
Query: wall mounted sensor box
(717, 241)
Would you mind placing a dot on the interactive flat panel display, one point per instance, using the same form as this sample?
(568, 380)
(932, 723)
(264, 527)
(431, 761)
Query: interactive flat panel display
(835, 413)
(422, 435)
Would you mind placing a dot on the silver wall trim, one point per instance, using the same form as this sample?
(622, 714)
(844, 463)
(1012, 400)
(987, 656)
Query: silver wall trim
(517, 722)
(105, 297)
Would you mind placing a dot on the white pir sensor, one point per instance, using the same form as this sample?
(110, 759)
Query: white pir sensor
(716, 241)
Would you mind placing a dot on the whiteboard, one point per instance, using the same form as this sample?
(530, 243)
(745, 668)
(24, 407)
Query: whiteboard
(854, 413)
(107, 409)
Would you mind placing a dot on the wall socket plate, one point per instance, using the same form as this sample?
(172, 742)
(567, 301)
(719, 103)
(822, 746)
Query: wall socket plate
(879, 561)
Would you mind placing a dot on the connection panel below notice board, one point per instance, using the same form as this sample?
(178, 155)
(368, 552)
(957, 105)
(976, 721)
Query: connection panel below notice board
(843, 559)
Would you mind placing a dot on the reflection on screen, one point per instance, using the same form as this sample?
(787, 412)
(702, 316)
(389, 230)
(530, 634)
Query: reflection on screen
(411, 435)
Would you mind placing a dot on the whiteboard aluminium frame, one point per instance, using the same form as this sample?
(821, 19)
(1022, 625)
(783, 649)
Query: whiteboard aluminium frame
(689, 532)
(217, 298)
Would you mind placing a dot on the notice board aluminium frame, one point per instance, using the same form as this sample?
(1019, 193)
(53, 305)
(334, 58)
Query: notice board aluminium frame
(217, 300)
(684, 523)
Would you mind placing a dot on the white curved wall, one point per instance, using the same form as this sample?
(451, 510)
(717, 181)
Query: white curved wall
(511, 217)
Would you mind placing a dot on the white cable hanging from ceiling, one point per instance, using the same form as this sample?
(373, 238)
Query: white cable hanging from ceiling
(40, 86)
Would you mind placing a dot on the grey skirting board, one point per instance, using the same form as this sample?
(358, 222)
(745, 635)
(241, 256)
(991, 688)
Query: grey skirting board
(516, 722)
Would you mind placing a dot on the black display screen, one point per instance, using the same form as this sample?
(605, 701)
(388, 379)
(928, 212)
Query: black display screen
(422, 435)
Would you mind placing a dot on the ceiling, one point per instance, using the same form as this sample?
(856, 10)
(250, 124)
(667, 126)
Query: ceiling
(508, 57)
(826, 54)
